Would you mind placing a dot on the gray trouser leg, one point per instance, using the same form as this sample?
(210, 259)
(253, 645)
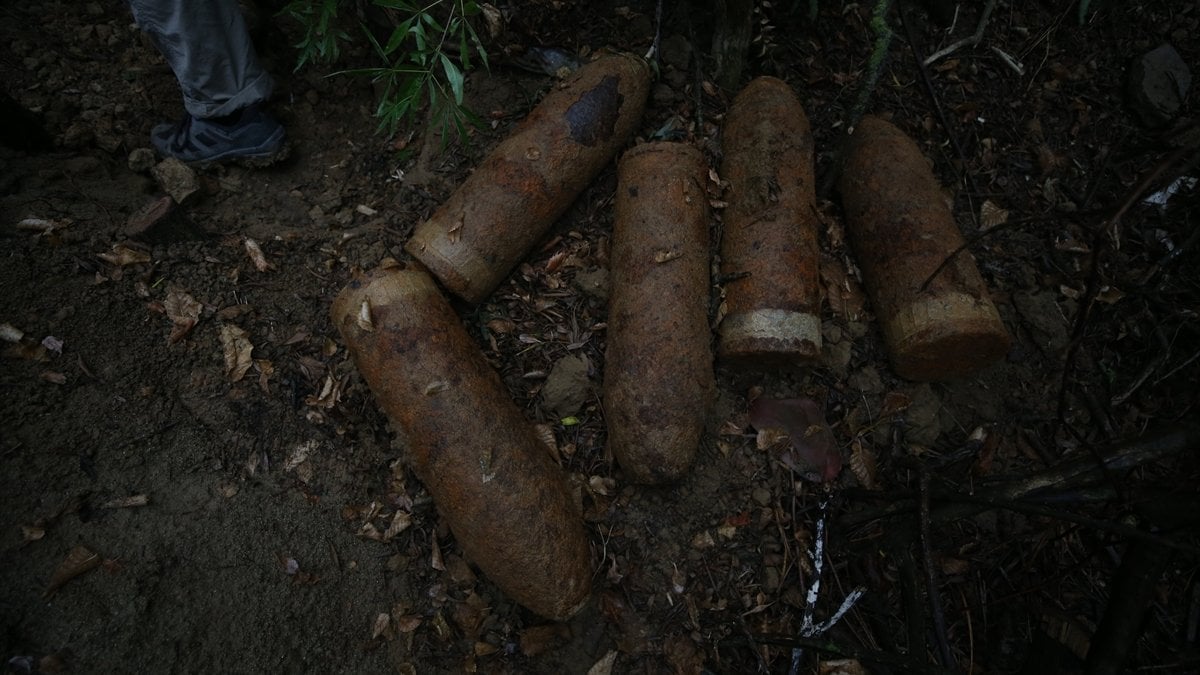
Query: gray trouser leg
(207, 46)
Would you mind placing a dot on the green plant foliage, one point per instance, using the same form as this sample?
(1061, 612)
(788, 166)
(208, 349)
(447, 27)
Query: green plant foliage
(426, 57)
(321, 43)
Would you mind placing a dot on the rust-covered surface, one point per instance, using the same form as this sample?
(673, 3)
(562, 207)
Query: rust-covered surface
(504, 498)
(658, 376)
(901, 230)
(769, 246)
(497, 215)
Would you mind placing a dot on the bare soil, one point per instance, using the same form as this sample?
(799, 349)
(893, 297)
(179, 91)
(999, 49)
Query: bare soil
(243, 526)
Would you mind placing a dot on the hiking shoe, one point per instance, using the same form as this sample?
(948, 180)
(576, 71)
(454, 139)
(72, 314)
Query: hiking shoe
(247, 136)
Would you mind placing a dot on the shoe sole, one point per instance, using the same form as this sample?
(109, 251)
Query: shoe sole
(259, 161)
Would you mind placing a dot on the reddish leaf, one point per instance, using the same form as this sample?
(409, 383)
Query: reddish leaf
(813, 452)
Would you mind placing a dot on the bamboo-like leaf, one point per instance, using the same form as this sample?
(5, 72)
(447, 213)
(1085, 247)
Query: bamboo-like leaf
(455, 77)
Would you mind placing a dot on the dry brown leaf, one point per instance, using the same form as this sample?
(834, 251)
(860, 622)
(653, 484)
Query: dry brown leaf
(53, 377)
(79, 560)
(184, 312)
(842, 291)
(401, 521)
(122, 255)
(1109, 294)
(265, 370)
(408, 623)
(502, 326)
(545, 434)
(33, 532)
(369, 531)
(237, 348)
(862, 465)
(28, 350)
(703, 540)
(991, 215)
(605, 665)
(299, 455)
(894, 402)
(331, 393)
(257, 256)
(380, 625)
(556, 261)
(1048, 160)
(771, 437)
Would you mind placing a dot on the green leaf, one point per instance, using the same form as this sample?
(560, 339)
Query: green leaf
(399, 35)
(455, 77)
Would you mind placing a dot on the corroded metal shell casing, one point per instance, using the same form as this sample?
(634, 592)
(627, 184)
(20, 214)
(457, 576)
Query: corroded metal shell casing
(497, 215)
(506, 501)
(901, 230)
(769, 246)
(658, 376)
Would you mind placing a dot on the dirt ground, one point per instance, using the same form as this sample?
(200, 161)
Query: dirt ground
(256, 525)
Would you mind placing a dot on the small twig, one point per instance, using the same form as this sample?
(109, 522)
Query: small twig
(1178, 368)
(969, 41)
(927, 85)
(1160, 357)
(1009, 61)
(1111, 227)
(653, 52)
(932, 591)
(1084, 470)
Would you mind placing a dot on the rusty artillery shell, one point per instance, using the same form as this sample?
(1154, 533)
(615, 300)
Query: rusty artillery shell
(901, 230)
(658, 377)
(498, 214)
(769, 247)
(506, 501)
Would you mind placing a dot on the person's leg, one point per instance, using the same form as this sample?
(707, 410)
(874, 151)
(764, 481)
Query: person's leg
(208, 48)
(224, 86)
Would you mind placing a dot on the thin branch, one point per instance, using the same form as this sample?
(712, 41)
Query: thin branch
(969, 41)
(931, 94)
(931, 585)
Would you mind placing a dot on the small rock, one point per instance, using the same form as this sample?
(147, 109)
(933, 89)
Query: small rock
(1045, 320)
(1158, 84)
(566, 387)
(177, 179)
(593, 283)
(141, 160)
(159, 222)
